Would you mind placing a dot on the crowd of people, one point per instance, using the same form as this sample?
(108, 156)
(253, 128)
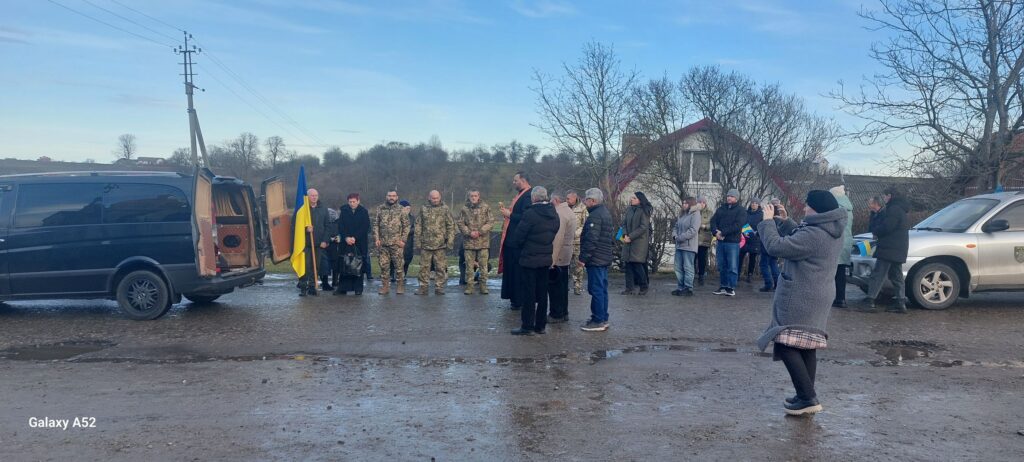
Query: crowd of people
(549, 239)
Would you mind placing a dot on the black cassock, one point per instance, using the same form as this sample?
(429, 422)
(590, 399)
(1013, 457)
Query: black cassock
(510, 255)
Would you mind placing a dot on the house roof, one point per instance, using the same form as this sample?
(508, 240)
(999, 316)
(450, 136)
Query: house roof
(634, 163)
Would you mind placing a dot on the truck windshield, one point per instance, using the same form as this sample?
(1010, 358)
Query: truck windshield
(958, 216)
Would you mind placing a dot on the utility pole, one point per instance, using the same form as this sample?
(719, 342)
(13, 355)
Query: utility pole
(195, 132)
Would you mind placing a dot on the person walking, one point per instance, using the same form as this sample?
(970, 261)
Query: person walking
(562, 252)
(534, 237)
(845, 258)
(727, 224)
(437, 238)
(475, 222)
(704, 241)
(596, 248)
(801, 305)
(636, 236)
(353, 227)
(509, 253)
(685, 234)
(751, 248)
(891, 227)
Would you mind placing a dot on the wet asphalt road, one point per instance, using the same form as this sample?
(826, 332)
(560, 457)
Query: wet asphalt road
(264, 374)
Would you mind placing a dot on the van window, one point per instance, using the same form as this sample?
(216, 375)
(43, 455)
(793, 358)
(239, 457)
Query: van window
(58, 205)
(144, 203)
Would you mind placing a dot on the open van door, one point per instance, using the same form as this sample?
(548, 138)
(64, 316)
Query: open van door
(203, 229)
(278, 220)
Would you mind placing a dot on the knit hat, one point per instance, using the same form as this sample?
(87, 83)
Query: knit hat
(822, 201)
(403, 203)
(838, 190)
(755, 200)
(733, 192)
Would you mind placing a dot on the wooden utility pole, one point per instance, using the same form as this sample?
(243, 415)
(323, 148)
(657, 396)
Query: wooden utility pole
(195, 132)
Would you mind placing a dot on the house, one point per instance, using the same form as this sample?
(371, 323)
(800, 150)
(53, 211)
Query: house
(150, 161)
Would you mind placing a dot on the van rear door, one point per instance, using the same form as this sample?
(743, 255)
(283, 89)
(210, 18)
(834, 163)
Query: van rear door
(203, 229)
(277, 220)
(6, 203)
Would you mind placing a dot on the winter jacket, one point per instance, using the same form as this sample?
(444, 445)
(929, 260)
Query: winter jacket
(475, 218)
(598, 239)
(535, 234)
(320, 221)
(729, 219)
(686, 231)
(637, 225)
(566, 236)
(753, 244)
(891, 227)
(354, 223)
(705, 228)
(391, 225)
(436, 227)
(804, 295)
(518, 211)
(845, 204)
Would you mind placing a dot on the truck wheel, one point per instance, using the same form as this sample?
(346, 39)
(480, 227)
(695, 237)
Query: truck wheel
(201, 299)
(935, 286)
(143, 295)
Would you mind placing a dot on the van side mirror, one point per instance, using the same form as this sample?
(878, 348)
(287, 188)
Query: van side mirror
(995, 226)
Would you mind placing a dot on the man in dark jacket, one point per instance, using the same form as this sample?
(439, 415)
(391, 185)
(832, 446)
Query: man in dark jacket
(891, 227)
(319, 226)
(533, 237)
(596, 245)
(508, 259)
(727, 225)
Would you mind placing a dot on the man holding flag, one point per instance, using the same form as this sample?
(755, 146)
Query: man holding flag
(311, 234)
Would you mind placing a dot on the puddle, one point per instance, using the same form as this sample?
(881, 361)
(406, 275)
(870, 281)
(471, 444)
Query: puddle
(896, 352)
(602, 355)
(54, 351)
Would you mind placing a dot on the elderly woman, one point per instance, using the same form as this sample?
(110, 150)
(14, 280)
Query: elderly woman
(353, 229)
(636, 239)
(803, 298)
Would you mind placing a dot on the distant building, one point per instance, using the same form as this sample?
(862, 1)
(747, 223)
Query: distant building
(150, 161)
(44, 159)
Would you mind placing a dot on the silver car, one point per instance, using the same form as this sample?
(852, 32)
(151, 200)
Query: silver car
(973, 245)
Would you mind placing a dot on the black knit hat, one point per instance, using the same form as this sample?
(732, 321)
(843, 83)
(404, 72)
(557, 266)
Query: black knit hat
(822, 201)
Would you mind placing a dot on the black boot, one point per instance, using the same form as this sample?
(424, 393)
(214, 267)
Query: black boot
(325, 284)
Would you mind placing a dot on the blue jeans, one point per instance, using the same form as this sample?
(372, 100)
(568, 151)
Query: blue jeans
(728, 264)
(769, 269)
(685, 268)
(597, 287)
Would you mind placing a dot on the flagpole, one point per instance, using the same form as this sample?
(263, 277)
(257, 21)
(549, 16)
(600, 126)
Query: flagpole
(312, 248)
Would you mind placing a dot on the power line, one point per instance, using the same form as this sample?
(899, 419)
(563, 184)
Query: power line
(146, 15)
(131, 21)
(109, 24)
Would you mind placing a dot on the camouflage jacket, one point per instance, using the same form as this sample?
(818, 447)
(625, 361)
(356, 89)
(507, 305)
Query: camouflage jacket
(435, 228)
(581, 218)
(705, 228)
(390, 224)
(476, 218)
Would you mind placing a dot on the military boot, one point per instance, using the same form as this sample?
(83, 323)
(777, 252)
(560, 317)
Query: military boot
(400, 289)
(484, 290)
(385, 286)
(422, 290)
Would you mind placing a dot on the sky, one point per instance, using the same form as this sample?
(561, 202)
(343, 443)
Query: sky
(354, 73)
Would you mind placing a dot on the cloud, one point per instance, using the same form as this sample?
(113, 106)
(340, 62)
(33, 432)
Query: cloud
(412, 11)
(542, 8)
(253, 17)
(759, 15)
(12, 35)
(345, 130)
(140, 100)
(47, 36)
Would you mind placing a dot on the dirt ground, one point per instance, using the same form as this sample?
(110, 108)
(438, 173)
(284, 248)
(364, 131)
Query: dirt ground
(266, 375)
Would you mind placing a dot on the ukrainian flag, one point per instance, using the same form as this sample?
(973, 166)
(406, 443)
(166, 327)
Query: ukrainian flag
(865, 248)
(302, 219)
(747, 229)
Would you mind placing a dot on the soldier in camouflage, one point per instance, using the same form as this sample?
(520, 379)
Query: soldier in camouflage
(436, 234)
(580, 210)
(475, 222)
(390, 230)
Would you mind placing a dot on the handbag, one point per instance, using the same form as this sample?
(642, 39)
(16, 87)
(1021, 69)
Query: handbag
(352, 264)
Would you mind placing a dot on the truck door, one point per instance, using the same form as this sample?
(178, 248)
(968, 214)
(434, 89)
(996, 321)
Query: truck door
(277, 220)
(203, 229)
(6, 200)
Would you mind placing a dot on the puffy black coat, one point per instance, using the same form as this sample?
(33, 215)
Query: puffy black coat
(354, 223)
(535, 234)
(598, 239)
(891, 227)
(729, 219)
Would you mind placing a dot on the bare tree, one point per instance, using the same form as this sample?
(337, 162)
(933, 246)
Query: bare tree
(181, 157)
(275, 150)
(658, 110)
(126, 149)
(952, 84)
(246, 153)
(586, 109)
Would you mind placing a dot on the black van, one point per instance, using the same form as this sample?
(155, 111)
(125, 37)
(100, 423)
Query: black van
(144, 239)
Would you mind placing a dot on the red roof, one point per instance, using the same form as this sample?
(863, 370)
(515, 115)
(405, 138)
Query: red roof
(633, 165)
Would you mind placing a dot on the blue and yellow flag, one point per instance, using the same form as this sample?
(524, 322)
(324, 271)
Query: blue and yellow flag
(302, 219)
(865, 248)
(747, 230)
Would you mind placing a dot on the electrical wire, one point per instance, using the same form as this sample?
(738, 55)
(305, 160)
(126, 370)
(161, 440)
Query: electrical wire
(146, 15)
(109, 24)
(131, 21)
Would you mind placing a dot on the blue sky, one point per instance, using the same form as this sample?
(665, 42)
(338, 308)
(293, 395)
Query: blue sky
(355, 73)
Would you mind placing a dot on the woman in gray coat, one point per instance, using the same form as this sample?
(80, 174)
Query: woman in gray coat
(803, 299)
(636, 236)
(686, 235)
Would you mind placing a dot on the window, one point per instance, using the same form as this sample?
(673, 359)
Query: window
(959, 216)
(701, 167)
(143, 203)
(1014, 214)
(58, 205)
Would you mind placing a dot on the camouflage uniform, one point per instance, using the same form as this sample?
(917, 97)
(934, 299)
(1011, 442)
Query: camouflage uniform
(476, 218)
(436, 236)
(574, 266)
(391, 226)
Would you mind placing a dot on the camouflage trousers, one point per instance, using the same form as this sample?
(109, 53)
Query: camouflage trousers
(392, 256)
(437, 259)
(476, 259)
(577, 271)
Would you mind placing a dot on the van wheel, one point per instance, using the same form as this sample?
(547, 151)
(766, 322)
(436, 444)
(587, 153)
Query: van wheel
(935, 286)
(201, 299)
(143, 295)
